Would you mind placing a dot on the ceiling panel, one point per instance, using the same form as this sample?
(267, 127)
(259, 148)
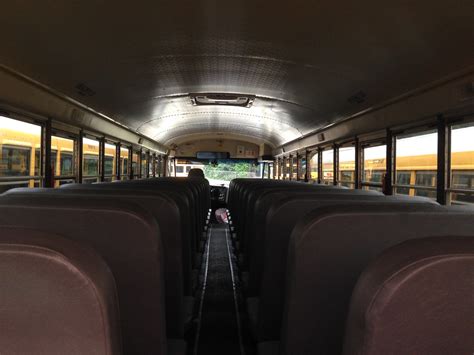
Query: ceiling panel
(303, 60)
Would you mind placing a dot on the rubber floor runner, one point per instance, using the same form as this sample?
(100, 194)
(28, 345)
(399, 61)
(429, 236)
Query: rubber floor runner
(219, 332)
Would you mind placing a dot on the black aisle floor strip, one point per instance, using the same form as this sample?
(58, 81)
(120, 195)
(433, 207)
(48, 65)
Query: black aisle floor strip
(219, 330)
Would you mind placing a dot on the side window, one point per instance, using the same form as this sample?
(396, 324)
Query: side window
(135, 166)
(67, 163)
(294, 168)
(302, 167)
(90, 162)
(462, 164)
(416, 164)
(347, 171)
(15, 161)
(313, 166)
(328, 166)
(110, 161)
(124, 163)
(374, 167)
(109, 165)
(20, 154)
(144, 165)
(91, 165)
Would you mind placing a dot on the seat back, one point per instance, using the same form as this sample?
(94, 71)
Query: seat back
(196, 173)
(182, 199)
(415, 298)
(328, 251)
(56, 296)
(267, 276)
(125, 236)
(166, 215)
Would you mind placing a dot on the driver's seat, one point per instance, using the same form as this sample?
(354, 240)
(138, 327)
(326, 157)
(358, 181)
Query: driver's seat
(196, 173)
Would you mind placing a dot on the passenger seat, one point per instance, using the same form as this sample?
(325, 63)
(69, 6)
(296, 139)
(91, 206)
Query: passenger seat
(56, 296)
(415, 298)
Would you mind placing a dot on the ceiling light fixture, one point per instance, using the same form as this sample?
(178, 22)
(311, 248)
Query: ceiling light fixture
(217, 99)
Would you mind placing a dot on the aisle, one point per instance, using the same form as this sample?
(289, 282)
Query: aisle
(219, 327)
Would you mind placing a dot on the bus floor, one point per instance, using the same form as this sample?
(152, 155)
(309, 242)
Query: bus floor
(221, 325)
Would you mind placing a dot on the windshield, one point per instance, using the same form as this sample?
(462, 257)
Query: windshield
(222, 171)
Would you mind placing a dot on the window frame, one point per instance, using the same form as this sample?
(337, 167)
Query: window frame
(449, 190)
(90, 178)
(369, 144)
(59, 180)
(327, 148)
(352, 182)
(309, 166)
(30, 180)
(413, 188)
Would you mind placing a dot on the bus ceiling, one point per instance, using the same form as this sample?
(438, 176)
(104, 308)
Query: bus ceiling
(272, 73)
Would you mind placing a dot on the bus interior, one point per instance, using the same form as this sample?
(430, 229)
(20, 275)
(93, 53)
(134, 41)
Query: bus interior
(244, 178)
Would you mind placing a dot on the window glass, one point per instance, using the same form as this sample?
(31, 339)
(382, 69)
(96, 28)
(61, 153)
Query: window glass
(294, 168)
(62, 160)
(66, 163)
(124, 162)
(144, 164)
(347, 167)
(151, 165)
(222, 171)
(302, 167)
(426, 178)
(135, 166)
(416, 164)
(109, 160)
(109, 165)
(313, 166)
(20, 151)
(403, 178)
(374, 166)
(159, 166)
(37, 168)
(271, 170)
(54, 161)
(462, 164)
(179, 169)
(328, 166)
(287, 168)
(91, 165)
(15, 161)
(90, 162)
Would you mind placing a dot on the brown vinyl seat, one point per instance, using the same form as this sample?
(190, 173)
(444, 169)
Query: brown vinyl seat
(183, 200)
(165, 212)
(328, 250)
(252, 192)
(125, 236)
(196, 173)
(56, 296)
(268, 266)
(415, 298)
(196, 189)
